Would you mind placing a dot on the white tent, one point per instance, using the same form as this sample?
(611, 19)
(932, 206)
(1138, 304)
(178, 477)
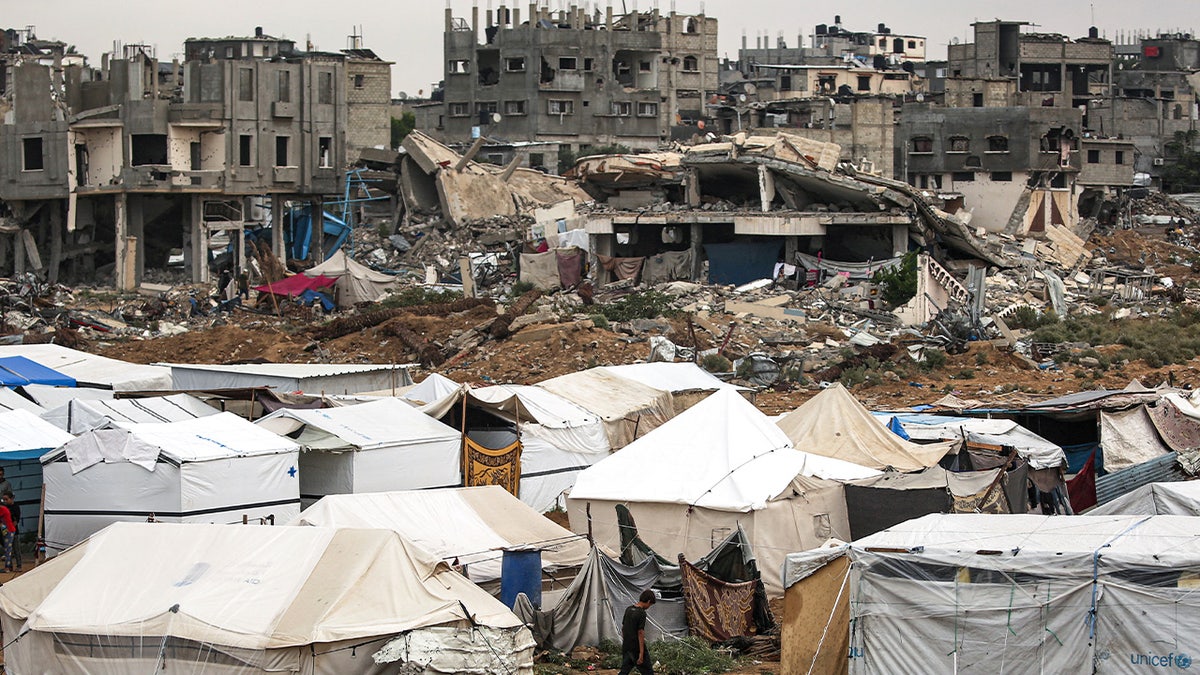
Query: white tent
(470, 525)
(11, 400)
(1155, 499)
(372, 447)
(92, 370)
(49, 397)
(834, 424)
(977, 593)
(251, 600)
(718, 464)
(24, 438)
(216, 469)
(80, 415)
(628, 408)
(1039, 452)
(355, 282)
(310, 378)
(431, 390)
(687, 382)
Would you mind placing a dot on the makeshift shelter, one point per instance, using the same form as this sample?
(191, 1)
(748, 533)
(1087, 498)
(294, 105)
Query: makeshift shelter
(297, 285)
(355, 282)
(687, 382)
(17, 371)
(311, 378)
(987, 594)
(82, 415)
(1155, 499)
(49, 398)
(466, 526)
(250, 600)
(880, 502)
(24, 438)
(628, 408)
(372, 447)
(215, 469)
(431, 391)
(1038, 452)
(93, 371)
(718, 465)
(834, 424)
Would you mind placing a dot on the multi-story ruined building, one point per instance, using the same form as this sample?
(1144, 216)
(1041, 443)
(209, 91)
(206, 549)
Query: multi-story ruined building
(368, 100)
(138, 160)
(576, 79)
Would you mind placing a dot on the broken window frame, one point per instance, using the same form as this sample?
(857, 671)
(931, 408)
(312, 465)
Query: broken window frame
(1119, 157)
(691, 64)
(863, 83)
(33, 148)
(920, 145)
(645, 66)
(647, 109)
(568, 63)
(997, 144)
(958, 145)
(560, 106)
(589, 64)
(140, 145)
(514, 108)
(245, 150)
(1001, 176)
(509, 66)
(245, 84)
(458, 67)
(458, 109)
(962, 176)
(622, 109)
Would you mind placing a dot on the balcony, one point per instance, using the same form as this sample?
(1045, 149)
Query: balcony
(287, 174)
(283, 109)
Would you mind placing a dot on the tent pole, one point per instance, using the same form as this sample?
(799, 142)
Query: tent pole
(591, 541)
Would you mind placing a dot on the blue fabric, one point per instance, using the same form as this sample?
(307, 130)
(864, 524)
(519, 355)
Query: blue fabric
(16, 371)
(17, 455)
(1077, 456)
(741, 262)
(898, 428)
(309, 297)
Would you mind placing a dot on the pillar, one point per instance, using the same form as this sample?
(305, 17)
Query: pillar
(121, 236)
(136, 216)
(697, 247)
(277, 207)
(317, 249)
(766, 187)
(56, 240)
(899, 240)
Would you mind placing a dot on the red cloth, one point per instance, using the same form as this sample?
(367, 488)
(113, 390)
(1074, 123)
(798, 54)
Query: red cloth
(6, 518)
(1082, 488)
(296, 285)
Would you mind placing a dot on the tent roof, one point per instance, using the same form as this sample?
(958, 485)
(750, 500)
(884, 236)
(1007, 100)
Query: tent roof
(1042, 545)
(470, 524)
(296, 285)
(11, 400)
(610, 396)
(834, 424)
(722, 453)
(1039, 452)
(377, 424)
(24, 435)
(81, 415)
(340, 264)
(432, 389)
(18, 370)
(91, 369)
(672, 377)
(296, 370)
(52, 397)
(220, 436)
(1155, 499)
(535, 404)
(253, 587)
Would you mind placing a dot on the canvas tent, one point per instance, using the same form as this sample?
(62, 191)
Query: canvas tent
(834, 424)
(310, 378)
(467, 525)
(687, 382)
(251, 600)
(24, 438)
(49, 398)
(1155, 499)
(628, 408)
(82, 415)
(985, 594)
(371, 447)
(91, 370)
(719, 464)
(11, 400)
(355, 282)
(215, 469)
(1037, 451)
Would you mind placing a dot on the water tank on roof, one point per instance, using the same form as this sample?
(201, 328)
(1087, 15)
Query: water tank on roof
(822, 29)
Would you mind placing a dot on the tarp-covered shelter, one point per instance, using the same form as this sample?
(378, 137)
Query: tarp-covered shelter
(720, 464)
(880, 502)
(834, 424)
(80, 415)
(310, 378)
(296, 285)
(978, 593)
(1155, 499)
(215, 469)
(93, 371)
(16, 371)
(687, 382)
(371, 447)
(355, 282)
(251, 600)
(628, 408)
(24, 438)
(1037, 451)
(49, 398)
(467, 526)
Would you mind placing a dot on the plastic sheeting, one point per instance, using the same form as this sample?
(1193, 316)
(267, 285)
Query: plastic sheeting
(1128, 438)
(314, 378)
(834, 424)
(82, 415)
(1037, 451)
(471, 525)
(17, 371)
(91, 370)
(478, 650)
(541, 270)
(203, 591)
(741, 262)
(24, 436)
(355, 282)
(1155, 499)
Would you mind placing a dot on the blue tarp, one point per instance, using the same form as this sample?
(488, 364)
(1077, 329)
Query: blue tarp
(741, 262)
(309, 297)
(18, 371)
(897, 428)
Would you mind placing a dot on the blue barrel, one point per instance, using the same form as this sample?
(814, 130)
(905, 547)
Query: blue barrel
(521, 572)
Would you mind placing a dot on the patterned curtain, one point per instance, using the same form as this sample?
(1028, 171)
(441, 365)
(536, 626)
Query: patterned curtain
(485, 466)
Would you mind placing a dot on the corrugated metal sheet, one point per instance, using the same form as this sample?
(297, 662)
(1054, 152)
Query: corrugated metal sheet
(1164, 469)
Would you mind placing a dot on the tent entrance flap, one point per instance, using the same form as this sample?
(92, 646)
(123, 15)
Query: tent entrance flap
(487, 466)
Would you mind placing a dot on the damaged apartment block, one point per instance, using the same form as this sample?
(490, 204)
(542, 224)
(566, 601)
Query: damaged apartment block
(143, 163)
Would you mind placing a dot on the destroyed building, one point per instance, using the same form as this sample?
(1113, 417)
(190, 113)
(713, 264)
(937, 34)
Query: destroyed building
(368, 99)
(574, 78)
(139, 161)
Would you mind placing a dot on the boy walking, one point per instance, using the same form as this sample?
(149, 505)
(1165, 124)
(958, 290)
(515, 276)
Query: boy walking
(633, 636)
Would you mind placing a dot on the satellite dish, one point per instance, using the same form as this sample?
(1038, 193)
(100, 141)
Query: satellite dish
(742, 98)
(751, 89)
(403, 96)
(496, 118)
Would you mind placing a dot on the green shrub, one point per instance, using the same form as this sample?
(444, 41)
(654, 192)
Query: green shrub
(599, 321)
(520, 288)
(981, 358)
(645, 305)
(1024, 317)
(934, 360)
(715, 363)
(898, 285)
(966, 374)
(419, 295)
(689, 656)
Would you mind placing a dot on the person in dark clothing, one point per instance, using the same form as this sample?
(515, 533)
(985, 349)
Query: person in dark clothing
(14, 510)
(633, 637)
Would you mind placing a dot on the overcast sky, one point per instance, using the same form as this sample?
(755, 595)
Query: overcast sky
(409, 32)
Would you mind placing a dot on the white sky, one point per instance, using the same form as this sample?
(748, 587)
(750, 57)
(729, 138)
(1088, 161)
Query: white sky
(409, 32)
